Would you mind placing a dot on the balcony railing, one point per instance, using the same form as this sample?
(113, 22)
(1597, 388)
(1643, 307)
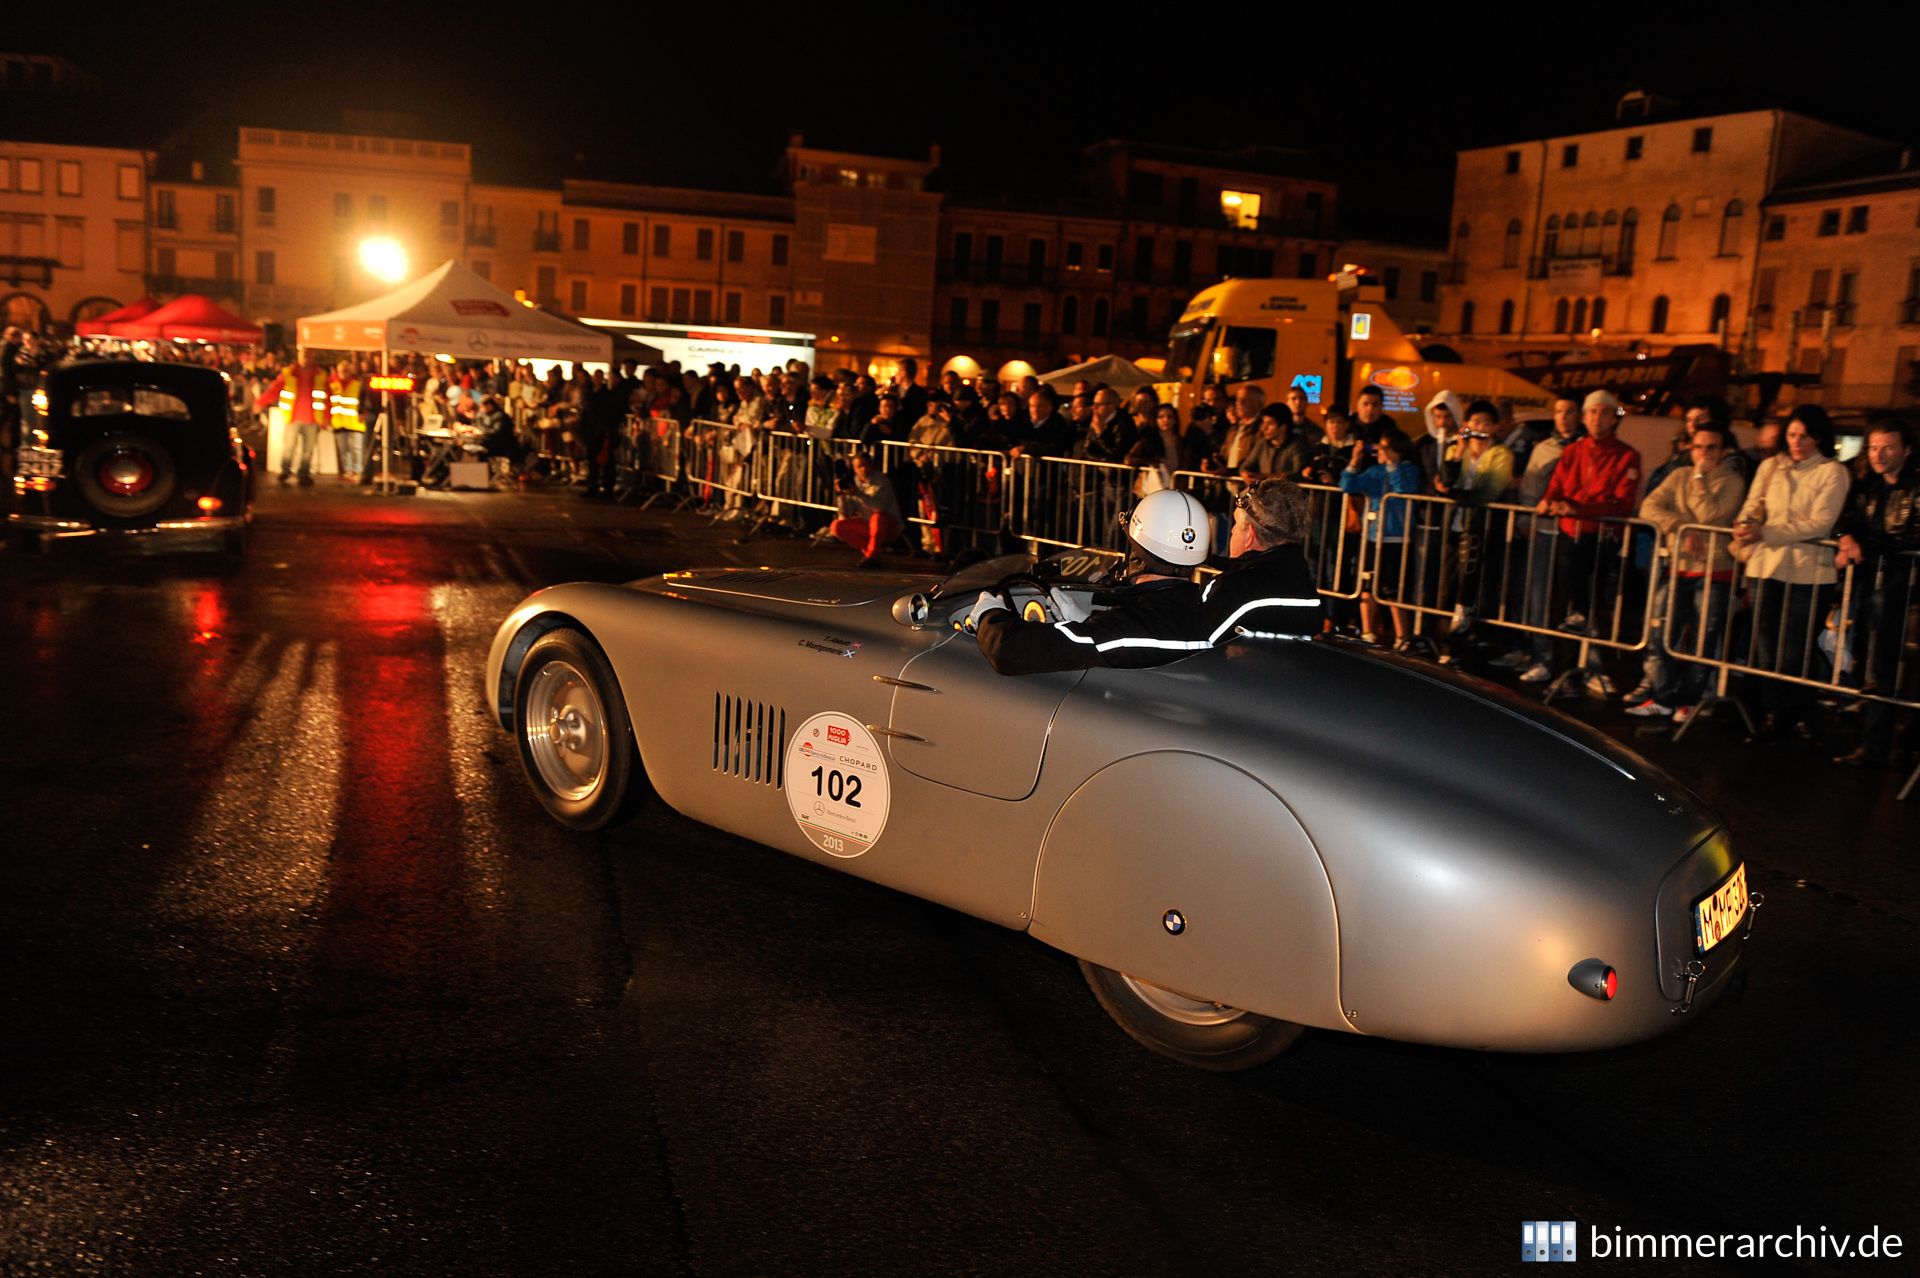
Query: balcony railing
(546, 241)
(179, 284)
(480, 235)
(1610, 264)
(27, 270)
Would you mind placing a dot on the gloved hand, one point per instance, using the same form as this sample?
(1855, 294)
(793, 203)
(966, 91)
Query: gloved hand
(986, 603)
(1067, 605)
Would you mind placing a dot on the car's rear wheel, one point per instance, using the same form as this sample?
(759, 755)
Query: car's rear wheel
(1192, 1031)
(576, 743)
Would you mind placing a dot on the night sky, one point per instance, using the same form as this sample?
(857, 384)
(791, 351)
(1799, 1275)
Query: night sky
(573, 91)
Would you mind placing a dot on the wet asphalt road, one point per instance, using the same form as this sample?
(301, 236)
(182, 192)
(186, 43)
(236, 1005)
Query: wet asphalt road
(294, 975)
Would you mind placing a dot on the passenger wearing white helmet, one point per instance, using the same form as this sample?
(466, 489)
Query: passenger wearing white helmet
(1159, 615)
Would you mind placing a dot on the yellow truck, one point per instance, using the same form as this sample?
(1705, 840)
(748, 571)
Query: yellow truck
(1326, 337)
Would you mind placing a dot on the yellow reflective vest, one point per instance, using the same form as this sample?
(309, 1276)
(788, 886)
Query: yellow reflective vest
(346, 404)
(290, 398)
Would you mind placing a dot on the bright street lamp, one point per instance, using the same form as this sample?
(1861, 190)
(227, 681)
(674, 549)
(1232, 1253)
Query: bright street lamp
(383, 258)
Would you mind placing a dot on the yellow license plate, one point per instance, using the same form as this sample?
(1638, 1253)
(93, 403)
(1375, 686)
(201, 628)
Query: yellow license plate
(39, 462)
(1719, 912)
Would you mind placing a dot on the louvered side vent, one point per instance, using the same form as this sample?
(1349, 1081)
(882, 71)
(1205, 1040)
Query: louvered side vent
(749, 740)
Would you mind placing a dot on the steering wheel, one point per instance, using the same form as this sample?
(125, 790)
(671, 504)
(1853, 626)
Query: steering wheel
(1036, 609)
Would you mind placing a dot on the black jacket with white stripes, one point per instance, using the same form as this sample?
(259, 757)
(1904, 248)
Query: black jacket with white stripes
(1268, 594)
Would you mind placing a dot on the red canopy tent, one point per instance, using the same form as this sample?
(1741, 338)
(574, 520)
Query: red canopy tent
(192, 318)
(103, 326)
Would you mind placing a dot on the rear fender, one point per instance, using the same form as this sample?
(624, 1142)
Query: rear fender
(1180, 870)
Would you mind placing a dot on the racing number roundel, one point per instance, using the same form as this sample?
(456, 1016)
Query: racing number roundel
(837, 784)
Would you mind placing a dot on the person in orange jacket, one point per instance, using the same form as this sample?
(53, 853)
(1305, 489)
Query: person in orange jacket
(1597, 476)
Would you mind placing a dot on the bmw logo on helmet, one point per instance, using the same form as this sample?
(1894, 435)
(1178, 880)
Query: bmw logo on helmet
(1187, 535)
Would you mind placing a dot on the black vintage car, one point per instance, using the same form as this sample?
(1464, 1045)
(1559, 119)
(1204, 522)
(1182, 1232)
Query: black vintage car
(125, 448)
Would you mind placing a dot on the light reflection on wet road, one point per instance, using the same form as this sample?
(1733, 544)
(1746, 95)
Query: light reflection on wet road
(296, 976)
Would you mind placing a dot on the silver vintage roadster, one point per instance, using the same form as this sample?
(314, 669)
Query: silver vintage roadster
(1251, 841)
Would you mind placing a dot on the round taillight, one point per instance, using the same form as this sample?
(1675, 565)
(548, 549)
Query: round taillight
(1595, 979)
(209, 504)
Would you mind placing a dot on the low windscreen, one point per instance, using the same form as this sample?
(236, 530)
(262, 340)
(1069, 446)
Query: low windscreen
(117, 401)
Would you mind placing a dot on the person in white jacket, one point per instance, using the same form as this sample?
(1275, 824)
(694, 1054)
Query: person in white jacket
(1792, 506)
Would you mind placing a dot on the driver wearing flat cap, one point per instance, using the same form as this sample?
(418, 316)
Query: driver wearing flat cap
(1158, 615)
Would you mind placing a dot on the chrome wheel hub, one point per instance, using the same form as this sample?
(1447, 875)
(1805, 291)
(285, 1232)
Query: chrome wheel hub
(566, 731)
(1179, 1007)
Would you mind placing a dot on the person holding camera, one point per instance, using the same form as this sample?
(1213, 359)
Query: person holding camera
(869, 511)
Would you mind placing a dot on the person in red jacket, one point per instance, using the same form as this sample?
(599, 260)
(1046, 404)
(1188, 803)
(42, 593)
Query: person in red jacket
(1597, 476)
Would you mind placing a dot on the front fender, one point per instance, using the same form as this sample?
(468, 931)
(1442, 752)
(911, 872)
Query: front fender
(1176, 831)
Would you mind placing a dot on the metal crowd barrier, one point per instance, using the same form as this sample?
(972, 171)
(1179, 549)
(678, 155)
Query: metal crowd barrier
(1066, 502)
(712, 466)
(950, 491)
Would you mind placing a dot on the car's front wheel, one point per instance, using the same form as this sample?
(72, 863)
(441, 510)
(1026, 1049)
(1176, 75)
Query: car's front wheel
(576, 743)
(1192, 1031)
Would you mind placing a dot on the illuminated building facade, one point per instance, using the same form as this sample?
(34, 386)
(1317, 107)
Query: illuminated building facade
(73, 228)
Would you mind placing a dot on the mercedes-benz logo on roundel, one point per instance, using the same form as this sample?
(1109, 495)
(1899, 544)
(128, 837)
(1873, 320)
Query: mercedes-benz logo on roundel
(1187, 535)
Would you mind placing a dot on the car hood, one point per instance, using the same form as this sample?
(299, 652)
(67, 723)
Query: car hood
(825, 588)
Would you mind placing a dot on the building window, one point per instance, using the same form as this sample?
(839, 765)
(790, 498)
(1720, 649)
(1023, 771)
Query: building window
(656, 303)
(450, 213)
(1143, 258)
(990, 320)
(1829, 222)
(165, 263)
(1598, 316)
(1099, 317)
(1070, 314)
(67, 175)
(780, 258)
(776, 311)
(1550, 240)
(263, 201)
(1776, 229)
(377, 209)
(1817, 285)
(1562, 310)
(957, 318)
(1466, 317)
(1843, 297)
(6, 174)
(1733, 219)
(1857, 220)
(680, 307)
(1570, 155)
(1461, 234)
(1037, 260)
(543, 283)
(32, 179)
(629, 299)
(996, 248)
(1636, 146)
(1510, 247)
(1669, 232)
(129, 181)
(663, 240)
(582, 234)
(1658, 322)
(1629, 236)
(703, 305)
(342, 206)
(1076, 252)
(1240, 208)
(1513, 161)
(1429, 285)
(1506, 316)
(166, 213)
(1722, 311)
(262, 267)
(577, 296)
(962, 254)
(1182, 261)
(1390, 282)
(736, 246)
(1703, 139)
(733, 308)
(1309, 265)
(630, 238)
(1103, 261)
(703, 244)
(1590, 235)
(1579, 321)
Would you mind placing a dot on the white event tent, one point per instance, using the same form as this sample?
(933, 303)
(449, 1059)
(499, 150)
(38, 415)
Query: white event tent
(452, 311)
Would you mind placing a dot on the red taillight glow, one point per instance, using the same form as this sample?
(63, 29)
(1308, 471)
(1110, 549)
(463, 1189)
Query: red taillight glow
(209, 504)
(1613, 982)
